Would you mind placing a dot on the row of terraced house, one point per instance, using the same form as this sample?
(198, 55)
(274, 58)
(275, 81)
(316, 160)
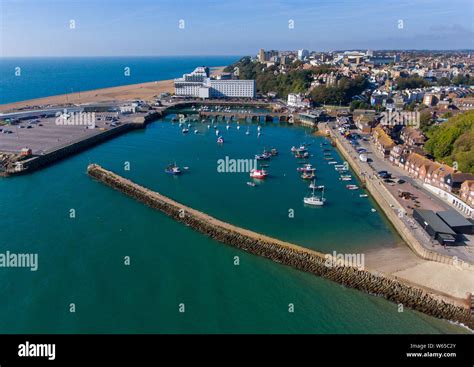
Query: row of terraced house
(454, 186)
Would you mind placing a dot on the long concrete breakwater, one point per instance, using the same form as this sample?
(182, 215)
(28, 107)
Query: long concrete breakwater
(292, 255)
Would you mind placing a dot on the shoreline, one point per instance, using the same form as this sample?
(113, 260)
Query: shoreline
(371, 281)
(142, 91)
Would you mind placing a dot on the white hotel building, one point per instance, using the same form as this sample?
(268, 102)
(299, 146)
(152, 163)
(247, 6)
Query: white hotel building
(198, 84)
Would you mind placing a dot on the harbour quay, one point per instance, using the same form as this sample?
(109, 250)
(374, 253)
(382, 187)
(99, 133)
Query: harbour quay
(32, 139)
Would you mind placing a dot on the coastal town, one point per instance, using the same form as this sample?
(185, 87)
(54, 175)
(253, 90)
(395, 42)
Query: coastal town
(383, 111)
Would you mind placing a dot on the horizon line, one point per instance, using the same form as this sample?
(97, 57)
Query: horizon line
(242, 55)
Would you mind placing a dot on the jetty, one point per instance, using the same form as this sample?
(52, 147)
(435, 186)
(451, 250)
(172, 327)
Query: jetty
(298, 257)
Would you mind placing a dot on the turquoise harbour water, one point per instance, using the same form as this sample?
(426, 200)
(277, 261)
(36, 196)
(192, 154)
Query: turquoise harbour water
(81, 260)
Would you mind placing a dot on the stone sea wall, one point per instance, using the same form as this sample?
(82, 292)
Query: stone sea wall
(289, 254)
(382, 196)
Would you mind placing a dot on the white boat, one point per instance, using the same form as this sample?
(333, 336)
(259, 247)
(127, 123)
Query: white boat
(332, 162)
(220, 140)
(315, 200)
(227, 127)
(238, 127)
(208, 126)
(258, 173)
(196, 131)
(185, 130)
(217, 132)
(251, 184)
(313, 185)
(346, 178)
(247, 132)
(363, 195)
(352, 187)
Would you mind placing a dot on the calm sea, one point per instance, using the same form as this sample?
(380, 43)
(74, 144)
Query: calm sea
(81, 259)
(41, 77)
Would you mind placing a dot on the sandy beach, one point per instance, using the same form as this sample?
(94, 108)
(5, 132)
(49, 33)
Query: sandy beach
(144, 91)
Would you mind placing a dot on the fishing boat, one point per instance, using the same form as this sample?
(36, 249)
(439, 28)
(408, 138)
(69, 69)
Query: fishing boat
(258, 174)
(313, 185)
(220, 140)
(352, 187)
(315, 200)
(306, 168)
(301, 155)
(173, 169)
(308, 176)
(264, 156)
(251, 184)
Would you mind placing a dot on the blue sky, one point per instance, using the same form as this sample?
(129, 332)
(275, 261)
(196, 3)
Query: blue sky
(229, 27)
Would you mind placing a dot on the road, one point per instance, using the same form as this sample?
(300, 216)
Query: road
(422, 198)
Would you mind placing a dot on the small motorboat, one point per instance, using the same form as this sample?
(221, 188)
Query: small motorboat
(196, 131)
(274, 152)
(253, 184)
(308, 176)
(352, 187)
(258, 174)
(306, 168)
(173, 169)
(363, 195)
(185, 130)
(332, 162)
(220, 140)
(217, 132)
(238, 127)
(346, 178)
(313, 185)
